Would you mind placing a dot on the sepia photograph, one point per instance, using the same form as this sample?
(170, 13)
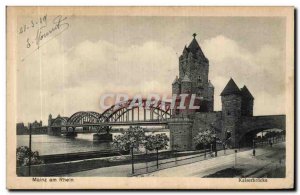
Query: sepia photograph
(150, 97)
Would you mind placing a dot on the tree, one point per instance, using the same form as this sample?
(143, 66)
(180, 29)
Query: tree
(131, 139)
(205, 137)
(23, 153)
(156, 142)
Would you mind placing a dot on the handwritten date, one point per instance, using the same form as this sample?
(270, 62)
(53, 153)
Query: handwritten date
(33, 23)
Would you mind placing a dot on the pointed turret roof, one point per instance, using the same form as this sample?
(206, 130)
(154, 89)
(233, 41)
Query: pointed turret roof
(185, 49)
(231, 88)
(186, 78)
(246, 93)
(176, 80)
(195, 48)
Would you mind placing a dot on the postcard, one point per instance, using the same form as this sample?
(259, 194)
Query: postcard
(150, 98)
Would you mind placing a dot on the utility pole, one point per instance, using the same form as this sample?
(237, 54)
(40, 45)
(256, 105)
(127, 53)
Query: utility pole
(157, 158)
(29, 162)
(216, 150)
(235, 158)
(253, 147)
(132, 163)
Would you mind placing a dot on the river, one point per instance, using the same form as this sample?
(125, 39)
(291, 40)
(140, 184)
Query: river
(46, 144)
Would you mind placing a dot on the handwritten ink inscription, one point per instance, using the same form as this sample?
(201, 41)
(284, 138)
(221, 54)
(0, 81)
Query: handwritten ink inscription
(41, 30)
(33, 23)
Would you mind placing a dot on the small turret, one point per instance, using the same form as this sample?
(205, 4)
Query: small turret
(231, 100)
(176, 86)
(231, 89)
(50, 120)
(186, 85)
(231, 110)
(247, 102)
(175, 80)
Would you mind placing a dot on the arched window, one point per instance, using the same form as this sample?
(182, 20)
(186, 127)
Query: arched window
(199, 79)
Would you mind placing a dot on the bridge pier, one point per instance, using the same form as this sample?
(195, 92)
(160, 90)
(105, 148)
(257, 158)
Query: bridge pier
(56, 131)
(70, 133)
(180, 134)
(102, 137)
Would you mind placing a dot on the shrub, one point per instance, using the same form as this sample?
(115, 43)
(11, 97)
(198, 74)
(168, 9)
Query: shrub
(23, 153)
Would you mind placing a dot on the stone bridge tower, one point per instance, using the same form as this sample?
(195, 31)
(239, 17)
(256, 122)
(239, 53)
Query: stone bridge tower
(237, 105)
(193, 76)
(235, 124)
(193, 79)
(231, 112)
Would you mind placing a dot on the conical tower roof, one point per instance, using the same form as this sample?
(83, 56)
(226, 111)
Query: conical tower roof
(176, 80)
(195, 48)
(231, 88)
(185, 49)
(246, 93)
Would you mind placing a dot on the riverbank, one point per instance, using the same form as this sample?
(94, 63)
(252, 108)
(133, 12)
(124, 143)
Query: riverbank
(62, 168)
(58, 158)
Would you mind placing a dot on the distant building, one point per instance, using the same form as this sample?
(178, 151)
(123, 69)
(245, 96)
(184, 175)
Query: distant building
(36, 128)
(55, 123)
(21, 129)
(36, 124)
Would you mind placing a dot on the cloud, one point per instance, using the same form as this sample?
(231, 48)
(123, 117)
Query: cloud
(65, 81)
(61, 80)
(262, 71)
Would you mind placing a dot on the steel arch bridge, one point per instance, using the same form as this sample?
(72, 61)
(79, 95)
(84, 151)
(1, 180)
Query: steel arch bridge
(130, 112)
(83, 117)
(124, 111)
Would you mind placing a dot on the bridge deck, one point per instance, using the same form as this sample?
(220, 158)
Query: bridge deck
(140, 123)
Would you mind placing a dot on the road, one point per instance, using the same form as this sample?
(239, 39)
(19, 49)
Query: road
(188, 166)
(265, 157)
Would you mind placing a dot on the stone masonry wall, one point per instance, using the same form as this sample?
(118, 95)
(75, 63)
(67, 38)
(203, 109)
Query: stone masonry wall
(180, 135)
(231, 116)
(206, 120)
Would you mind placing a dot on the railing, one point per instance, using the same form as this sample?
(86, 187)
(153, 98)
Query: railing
(178, 119)
(155, 121)
(150, 167)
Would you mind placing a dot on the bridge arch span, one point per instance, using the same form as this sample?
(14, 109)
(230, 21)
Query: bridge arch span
(127, 111)
(253, 125)
(82, 117)
(124, 111)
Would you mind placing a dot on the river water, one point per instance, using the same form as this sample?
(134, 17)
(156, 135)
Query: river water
(46, 144)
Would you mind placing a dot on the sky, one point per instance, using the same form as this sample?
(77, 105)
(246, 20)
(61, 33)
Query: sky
(98, 55)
